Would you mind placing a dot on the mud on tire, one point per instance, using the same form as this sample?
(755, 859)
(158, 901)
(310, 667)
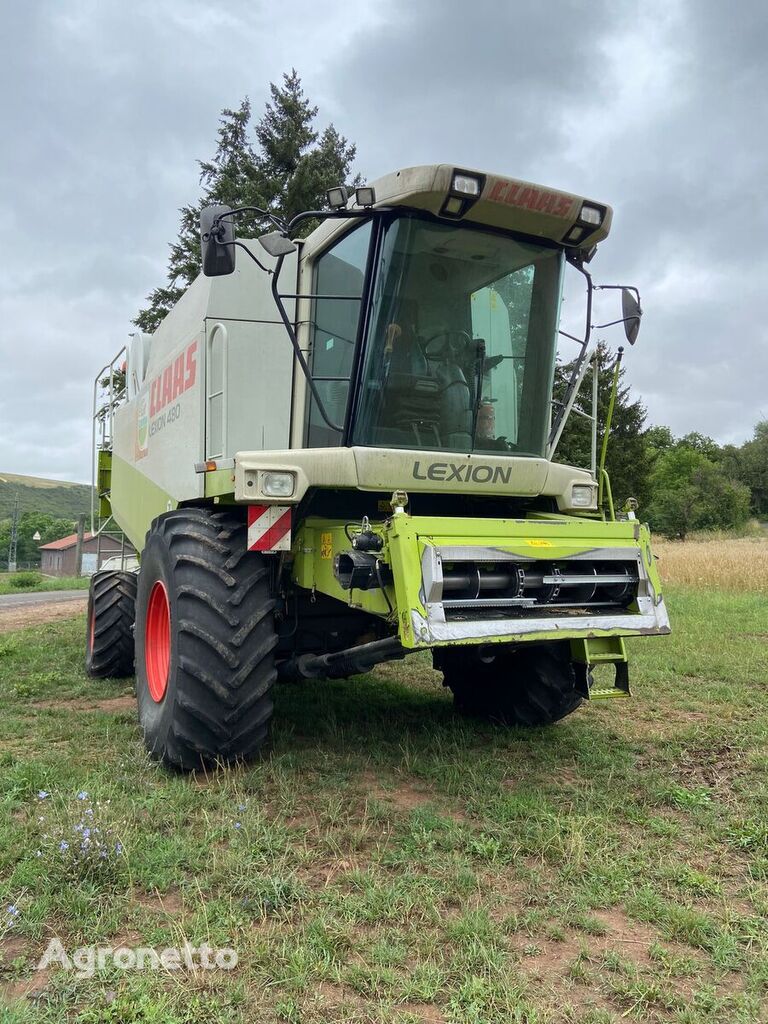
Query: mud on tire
(205, 640)
(533, 684)
(109, 644)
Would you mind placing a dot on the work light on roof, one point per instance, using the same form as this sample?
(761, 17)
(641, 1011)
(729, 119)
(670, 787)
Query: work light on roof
(466, 185)
(365, 196)
(337, 197)
(591, 215)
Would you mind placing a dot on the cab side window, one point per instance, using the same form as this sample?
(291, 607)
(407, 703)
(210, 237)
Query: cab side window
(340, 271)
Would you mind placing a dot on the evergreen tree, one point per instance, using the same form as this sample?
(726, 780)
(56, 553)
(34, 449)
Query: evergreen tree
(627, 460)
(286, 169)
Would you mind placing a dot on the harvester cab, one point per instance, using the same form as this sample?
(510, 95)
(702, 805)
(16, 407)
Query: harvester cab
(339, 450)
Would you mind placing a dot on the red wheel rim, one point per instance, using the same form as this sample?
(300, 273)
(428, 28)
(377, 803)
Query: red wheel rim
(157, 642)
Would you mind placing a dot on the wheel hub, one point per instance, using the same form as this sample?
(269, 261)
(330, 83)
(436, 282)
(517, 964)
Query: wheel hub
(157, 642)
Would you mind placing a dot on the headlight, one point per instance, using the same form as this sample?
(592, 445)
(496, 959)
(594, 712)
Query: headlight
(582, 496)
(278, 485)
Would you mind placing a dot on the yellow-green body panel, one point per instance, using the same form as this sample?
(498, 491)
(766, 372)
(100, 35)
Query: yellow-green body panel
(135, 501)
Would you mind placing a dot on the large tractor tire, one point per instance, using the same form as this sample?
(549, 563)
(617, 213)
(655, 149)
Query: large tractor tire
(109, 646)
(205, 640)
(533, 684)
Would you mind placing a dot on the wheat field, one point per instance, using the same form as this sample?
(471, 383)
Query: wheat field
(722, 563)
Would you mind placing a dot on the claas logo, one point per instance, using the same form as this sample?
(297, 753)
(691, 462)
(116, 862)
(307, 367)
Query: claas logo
(178, 377)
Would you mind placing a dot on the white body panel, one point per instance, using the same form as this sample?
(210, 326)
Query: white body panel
(165, 428)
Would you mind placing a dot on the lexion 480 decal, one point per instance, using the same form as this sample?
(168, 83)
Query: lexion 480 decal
(158, 405)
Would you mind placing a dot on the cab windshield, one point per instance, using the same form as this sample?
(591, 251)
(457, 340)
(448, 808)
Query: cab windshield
(460, 347)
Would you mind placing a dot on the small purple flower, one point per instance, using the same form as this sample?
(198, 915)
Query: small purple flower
(238, 825)
(63, 845)
(13, 910)
(118, 848)
(82, 795)
(102, 853)
(89, 811)
(241, 807)
(42, 795)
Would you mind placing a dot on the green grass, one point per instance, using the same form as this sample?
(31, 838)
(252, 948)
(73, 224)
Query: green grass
(46, 583)
(387, 861)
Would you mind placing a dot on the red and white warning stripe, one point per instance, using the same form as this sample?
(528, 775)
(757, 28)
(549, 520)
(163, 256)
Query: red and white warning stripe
(269, 528)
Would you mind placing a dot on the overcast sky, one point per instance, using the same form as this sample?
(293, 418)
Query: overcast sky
(657, 108)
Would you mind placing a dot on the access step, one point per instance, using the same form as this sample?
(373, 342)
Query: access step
(587, 653)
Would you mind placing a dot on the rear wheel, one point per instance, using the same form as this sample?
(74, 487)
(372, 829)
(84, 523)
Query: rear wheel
(205, 640)
(109, 646)
(530, 684)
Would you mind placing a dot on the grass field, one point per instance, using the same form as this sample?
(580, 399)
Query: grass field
(387, 861)
(46, 583)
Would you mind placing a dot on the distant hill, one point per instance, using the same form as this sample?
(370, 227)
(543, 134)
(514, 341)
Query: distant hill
(55, 497)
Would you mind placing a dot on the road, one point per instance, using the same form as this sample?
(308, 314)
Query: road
(8, 601)
(18, 611)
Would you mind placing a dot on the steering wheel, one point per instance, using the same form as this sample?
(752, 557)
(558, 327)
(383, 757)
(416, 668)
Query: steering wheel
(454, 344)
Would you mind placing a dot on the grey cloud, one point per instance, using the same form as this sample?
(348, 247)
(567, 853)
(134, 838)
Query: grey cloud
(657, 108)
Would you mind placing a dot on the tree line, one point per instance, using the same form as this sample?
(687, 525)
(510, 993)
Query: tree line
(682, 484)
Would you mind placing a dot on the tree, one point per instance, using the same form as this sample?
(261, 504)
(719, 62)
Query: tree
(691, 492)
(627, 460)
(286, 169)
(752, 468)
(49, 527)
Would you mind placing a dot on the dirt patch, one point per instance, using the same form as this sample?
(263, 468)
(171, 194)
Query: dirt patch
(168, 904)
(325, 874)
(715, 767)
(423, 1012)
(11, 947)
(24, 988)
(549, 960)
(37, 614)
(127, 702)
(406, 797)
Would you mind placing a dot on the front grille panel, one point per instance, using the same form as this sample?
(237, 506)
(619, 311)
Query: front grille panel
(508, 588)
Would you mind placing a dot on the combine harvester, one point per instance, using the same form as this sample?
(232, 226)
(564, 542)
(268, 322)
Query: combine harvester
(338, 451)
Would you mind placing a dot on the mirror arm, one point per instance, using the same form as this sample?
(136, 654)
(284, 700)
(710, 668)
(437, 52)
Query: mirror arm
(330, 214)
(279, 224)
(297, 351)
(612, 323)
(255, 260)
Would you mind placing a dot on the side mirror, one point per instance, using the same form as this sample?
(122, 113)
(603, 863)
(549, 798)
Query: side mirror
(277, 244)
(631, 313)
(217, 241)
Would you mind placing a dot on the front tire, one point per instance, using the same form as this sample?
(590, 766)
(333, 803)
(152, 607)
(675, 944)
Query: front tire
(529, 685)
(205, 640)
(109, 646)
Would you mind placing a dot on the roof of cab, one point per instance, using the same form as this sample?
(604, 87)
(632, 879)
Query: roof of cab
(504, 203)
